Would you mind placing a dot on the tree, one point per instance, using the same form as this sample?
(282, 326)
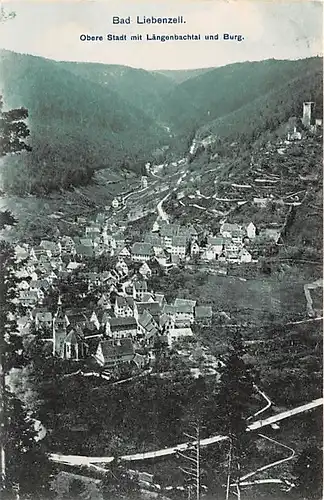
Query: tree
(118, 485)
(13, 130)
(27, 467)
(23, 463)
(308, 471)
(233, 406)
(13, 133)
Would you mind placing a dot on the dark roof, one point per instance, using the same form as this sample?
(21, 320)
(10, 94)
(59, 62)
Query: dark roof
(179, 241)
(153, 239)
(142, 249)
(184, 308)
(153, 308)
(146, 321)
(169, 309)
(84, 251)
(128, 323)
(77, 316)
(114, 348)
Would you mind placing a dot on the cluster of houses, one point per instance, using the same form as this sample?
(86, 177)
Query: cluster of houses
(127, 323)
(167, 244)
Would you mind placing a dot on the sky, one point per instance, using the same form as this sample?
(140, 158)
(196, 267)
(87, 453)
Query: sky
(271, 29)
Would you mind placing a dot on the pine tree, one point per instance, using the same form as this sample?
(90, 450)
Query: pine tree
(13, 135)
(27, 467)
(13, 130)
(233, 408)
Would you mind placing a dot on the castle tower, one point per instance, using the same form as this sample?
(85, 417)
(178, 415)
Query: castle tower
(308, 109)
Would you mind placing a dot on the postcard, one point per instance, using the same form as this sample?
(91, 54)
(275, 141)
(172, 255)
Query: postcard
(161, 249)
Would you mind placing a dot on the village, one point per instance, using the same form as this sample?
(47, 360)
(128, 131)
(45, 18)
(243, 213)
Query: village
(125, 322)
(89, 298)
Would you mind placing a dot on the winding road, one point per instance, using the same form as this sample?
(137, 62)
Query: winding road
(85, 460)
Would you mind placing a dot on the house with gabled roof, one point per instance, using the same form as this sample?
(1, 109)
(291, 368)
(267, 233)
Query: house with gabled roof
(51, 247)
(96, 317)
(139, 288)
(160, 298)
(178, 246)
(73, 347)
(184, 312)
(153, 308)
(216, 243)
(245, 256)
(141, 251)
(67, 245)
(123, 252)
(36, 253)
(166, 322)
(147, 328)
(208, 253)
(123, 327)
(77, 318)
(124, 306)
(112, 353)
(147, 297)
(145, 270)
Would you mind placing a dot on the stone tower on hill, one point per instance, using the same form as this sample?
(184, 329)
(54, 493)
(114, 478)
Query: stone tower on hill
(308, 111)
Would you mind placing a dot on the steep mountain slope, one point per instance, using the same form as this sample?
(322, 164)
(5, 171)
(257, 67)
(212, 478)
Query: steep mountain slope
(138, 87)
(221, 91)
(76, 125)
(268, 111)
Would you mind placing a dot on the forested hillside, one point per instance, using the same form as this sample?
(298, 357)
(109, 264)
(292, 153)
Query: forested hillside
(267, 112)
(219, 93)
(87, 116)
(138, 87)
(76, 125)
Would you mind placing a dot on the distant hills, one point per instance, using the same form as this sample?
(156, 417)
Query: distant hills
(181, 75)
(85, 116)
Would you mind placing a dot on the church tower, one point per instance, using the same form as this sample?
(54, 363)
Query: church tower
(59, 330)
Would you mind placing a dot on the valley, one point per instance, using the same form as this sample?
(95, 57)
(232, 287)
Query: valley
(190, 255)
